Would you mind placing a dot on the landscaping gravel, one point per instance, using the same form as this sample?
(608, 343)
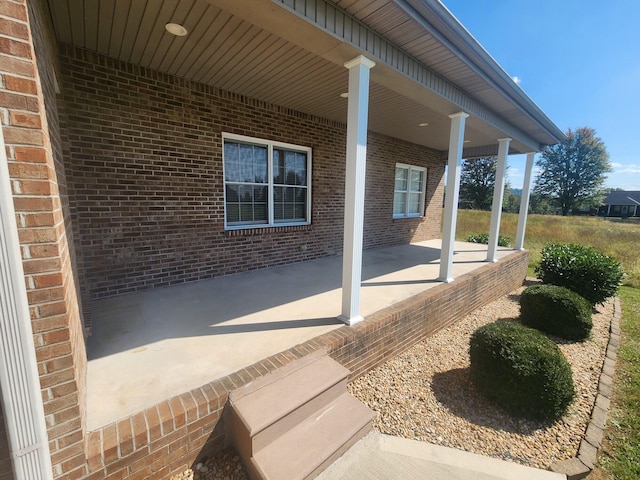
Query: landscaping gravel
(226, 465)
(426, 394)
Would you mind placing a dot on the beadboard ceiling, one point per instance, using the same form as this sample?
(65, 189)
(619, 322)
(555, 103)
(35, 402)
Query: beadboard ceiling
(258, 49)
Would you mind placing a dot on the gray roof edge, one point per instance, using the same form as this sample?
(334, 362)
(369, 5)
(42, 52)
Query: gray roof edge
(477, 58)
(357, 34)
(622, 197)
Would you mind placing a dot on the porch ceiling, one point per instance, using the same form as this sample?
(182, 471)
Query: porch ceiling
(259, 49)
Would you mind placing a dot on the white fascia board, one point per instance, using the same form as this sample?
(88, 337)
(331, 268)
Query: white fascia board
(331, 19)
(476, 57)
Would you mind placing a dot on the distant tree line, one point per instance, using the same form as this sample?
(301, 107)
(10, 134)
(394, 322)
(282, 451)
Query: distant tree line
(570, 180)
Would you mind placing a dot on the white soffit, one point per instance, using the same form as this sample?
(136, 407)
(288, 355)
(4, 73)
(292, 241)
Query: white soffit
(291, 53)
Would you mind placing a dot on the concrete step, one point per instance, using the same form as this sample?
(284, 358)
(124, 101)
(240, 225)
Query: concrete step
(268, 408)
(379, 456)
(312, 445)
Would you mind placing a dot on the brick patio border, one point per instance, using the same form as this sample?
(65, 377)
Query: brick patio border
(175, 434)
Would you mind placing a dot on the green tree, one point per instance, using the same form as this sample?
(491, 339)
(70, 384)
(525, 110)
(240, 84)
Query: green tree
(572, 172)
(477, 179)
(539, 204)
(511, 202)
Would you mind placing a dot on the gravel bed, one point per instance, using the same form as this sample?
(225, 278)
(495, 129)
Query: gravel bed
(426, 394)
(226, 465)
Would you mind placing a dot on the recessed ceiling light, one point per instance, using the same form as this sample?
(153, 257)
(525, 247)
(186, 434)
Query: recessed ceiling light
(423, 124)
(345, 95)
(176, 29)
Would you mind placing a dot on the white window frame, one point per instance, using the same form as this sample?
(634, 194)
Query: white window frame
(406, 213)
(271, 145)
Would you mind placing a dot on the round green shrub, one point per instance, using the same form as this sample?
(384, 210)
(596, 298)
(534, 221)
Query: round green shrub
(484, 238)
(556, 310)
(591, 274)
(521, 370)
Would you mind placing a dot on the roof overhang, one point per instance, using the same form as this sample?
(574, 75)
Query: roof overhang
(291, 53)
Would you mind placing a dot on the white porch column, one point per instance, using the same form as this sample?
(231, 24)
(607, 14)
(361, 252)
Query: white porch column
(21, 397)
(524, 202)
(358, 110)
(498, 195)
(456, 140)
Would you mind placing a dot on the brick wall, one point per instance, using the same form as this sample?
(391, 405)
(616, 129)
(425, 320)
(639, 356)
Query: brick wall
(141, 152)
(145, 179)
(27, 111)
(6, 469)
(395, 329)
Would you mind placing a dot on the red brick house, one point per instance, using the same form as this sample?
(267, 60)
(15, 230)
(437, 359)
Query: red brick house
(134, 158)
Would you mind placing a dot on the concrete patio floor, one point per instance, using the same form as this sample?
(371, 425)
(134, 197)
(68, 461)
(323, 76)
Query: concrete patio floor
(146, 347)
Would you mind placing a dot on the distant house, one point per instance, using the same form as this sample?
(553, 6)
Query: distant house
(621, 204)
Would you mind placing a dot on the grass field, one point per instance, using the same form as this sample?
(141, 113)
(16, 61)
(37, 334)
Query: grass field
(619, 458)
(612, 237)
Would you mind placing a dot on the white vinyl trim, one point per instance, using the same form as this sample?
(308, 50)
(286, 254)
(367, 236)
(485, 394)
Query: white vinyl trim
(524, 202)
(498, 195)
(423, 190)
(454, 163)
(270, 145)
(333, 19)
(21, 397)
(355, 179)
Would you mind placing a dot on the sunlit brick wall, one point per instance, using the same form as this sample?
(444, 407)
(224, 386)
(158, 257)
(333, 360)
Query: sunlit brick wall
(145, 179)
(30, 127)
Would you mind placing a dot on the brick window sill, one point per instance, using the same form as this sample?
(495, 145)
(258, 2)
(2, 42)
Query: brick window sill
(250, 232)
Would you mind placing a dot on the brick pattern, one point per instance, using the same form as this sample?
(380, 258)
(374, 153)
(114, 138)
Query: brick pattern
(6, 469)
(142, 157)
(162, 440)
(146, 187)
(30, 127)
(397, 328)
(581, 465)
(175, 434)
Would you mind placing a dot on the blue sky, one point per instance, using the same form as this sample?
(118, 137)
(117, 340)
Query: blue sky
(579, 60)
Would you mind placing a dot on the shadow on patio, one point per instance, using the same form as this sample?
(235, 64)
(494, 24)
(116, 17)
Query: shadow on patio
(152, 345)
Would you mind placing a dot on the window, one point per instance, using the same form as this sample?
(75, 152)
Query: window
(265, 183)
(409, 190)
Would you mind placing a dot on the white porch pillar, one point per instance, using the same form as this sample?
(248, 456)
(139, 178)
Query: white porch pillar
(524, 202)
(21, 397)
(456, 140)
(358, 110)
(498, 195)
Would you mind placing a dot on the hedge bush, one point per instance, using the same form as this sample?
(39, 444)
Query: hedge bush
(484, 238)
(591, 274)
(521, 370)
(556, 310)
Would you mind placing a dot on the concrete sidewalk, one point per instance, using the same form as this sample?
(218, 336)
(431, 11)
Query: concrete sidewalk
(384, 457)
